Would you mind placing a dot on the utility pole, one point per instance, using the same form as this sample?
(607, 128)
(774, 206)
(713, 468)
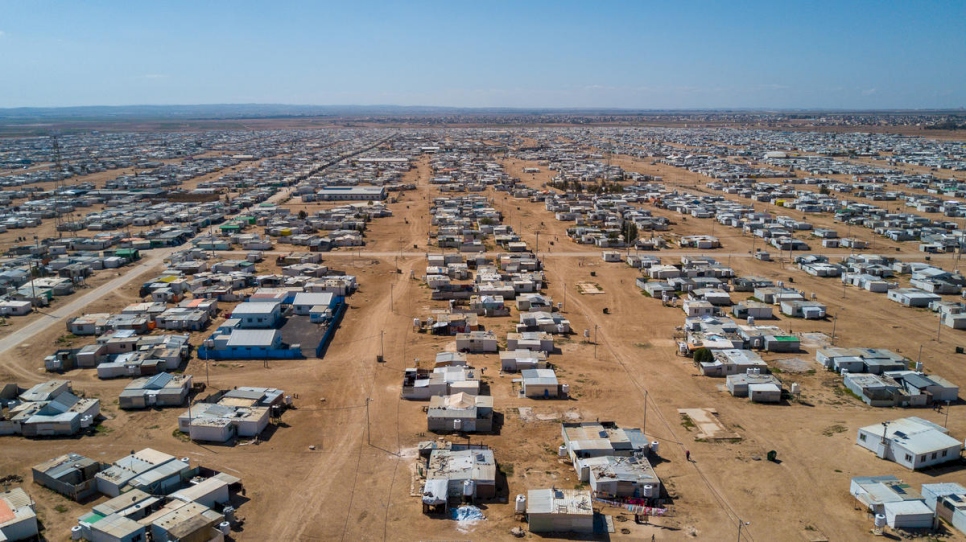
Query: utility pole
(644, 426)
(740, 523)
(595, 341)
(835, 320)
(390, 297)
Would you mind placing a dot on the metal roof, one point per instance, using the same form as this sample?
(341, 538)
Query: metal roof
(559, 501)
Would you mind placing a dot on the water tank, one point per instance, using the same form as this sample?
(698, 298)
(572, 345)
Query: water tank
(86, 421)
(185, 459)
(559, 306)
(457, 424)
(796, 388)
(288, 400)
(654, 447)
(468, 488)
(76, 532)
(521, 506)
(880, 521)
(225, 528)
(562, 450)
(565, 389)
(229, 513)
(751, 320)
(649, 491)
(918, 366)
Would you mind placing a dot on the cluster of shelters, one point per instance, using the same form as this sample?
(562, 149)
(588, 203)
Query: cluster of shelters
(242, 412)
(122, 348)
(719, 333)
(154, 496)
(49, 409)
(896, 504)
(612, 460)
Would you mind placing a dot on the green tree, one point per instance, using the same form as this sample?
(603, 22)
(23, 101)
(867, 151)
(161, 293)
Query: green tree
(703, 355)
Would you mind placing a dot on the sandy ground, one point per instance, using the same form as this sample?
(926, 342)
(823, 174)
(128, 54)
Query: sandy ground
(356, 484)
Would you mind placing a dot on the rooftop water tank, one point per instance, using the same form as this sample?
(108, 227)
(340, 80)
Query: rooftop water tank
(521, 504)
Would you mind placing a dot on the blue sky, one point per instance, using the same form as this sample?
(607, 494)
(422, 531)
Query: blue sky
(636, 54)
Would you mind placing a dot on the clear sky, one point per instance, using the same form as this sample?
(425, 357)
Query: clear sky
(486, 53)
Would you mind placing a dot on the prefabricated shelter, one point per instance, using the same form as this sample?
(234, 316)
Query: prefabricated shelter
(518, 360)
(470, 473)
(731, 362)
(560, 510)
(912, 442)
(257, 315)
(18, 520)
(753, 309)
(948, 501)
(215, 422)
(420, 384)
(908, 515)
(305, 302)
(809, 310)
(697, 307)
(185, 522)
(160, 390)
(757, 387)
(476, 342)
(782, 343)
(596, 439)
(111, 528)
(874, 492)
(460, 412)
(539, 341)
(540, 383)
(912, 297)
(114, 480)
(624, 477)
(209, 492)
(71, 475)
(450, 359)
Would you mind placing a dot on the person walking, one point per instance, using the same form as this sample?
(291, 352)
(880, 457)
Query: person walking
(687, 455)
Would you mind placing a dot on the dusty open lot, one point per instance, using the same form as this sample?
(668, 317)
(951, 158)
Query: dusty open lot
(357, 483)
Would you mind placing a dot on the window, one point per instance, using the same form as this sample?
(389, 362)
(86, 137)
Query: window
(862, 437)
(934, 454)
(908, 457)
(944, 452)
(922, 458)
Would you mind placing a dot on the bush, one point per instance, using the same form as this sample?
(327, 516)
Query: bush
(702, 355)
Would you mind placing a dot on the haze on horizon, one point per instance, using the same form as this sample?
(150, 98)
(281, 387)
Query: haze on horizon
(536, 54)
